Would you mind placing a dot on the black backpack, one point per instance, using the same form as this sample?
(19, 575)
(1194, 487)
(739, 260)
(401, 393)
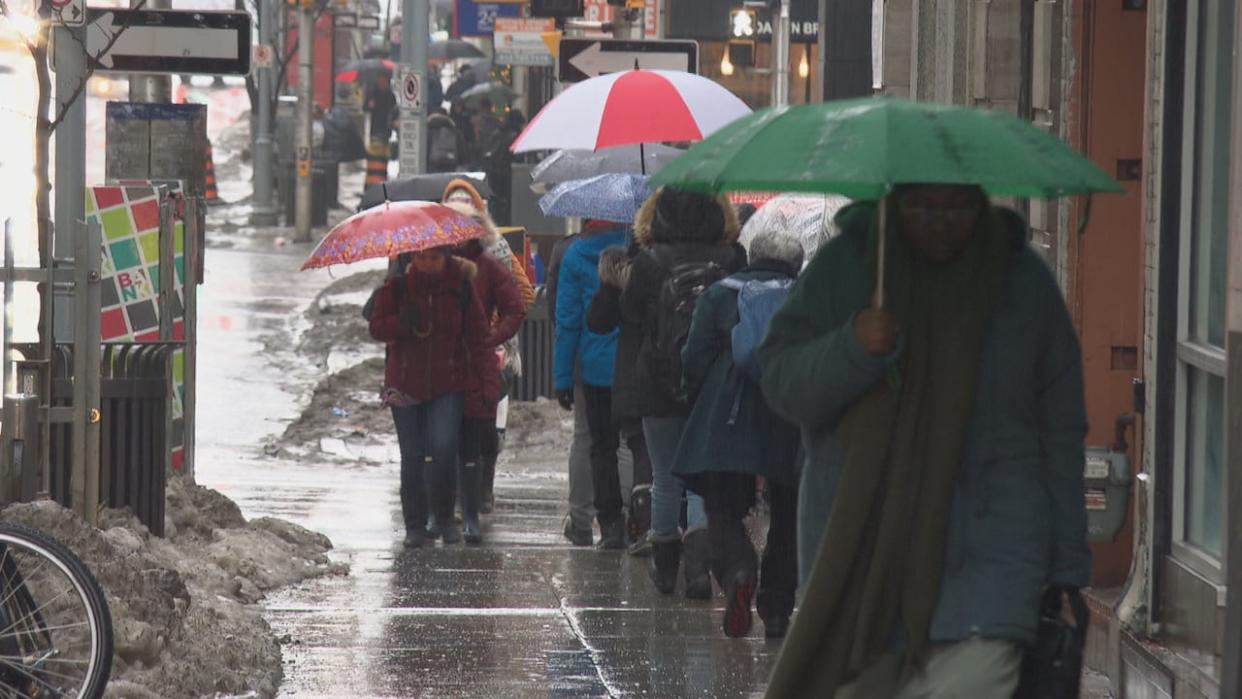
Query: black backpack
(675, 309)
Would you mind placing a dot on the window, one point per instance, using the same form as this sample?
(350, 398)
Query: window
(1200, 470)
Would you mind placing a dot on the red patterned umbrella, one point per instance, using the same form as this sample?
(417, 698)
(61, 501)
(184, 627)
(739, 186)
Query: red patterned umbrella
(391, 229)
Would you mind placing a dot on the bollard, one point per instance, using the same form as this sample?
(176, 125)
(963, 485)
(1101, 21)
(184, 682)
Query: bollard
(19, 448)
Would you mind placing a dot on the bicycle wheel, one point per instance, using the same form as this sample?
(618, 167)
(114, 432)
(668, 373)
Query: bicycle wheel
(55, 627)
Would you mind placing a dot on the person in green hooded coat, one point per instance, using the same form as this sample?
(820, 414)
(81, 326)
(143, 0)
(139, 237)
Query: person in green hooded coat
(942, 494)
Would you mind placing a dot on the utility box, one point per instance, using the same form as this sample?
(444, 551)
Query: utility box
(158, 142)
(1106, 480)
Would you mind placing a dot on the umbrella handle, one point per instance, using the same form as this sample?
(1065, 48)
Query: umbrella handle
(882, 232)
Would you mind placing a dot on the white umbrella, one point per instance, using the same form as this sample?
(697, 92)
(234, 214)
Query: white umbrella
(629, 108)
(566, 165)
(806, 217)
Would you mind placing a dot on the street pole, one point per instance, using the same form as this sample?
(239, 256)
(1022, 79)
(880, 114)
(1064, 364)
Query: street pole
(150, 88)
(780, 57)
(264, 213)
(306, 111)
(415, 36)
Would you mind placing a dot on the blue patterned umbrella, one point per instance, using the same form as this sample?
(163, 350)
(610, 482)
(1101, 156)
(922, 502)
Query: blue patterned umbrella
(610, 197)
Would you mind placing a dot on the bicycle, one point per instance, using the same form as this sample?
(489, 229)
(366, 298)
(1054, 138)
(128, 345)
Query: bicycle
(55, 626)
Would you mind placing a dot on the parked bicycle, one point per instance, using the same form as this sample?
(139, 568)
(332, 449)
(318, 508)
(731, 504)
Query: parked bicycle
(55, 627)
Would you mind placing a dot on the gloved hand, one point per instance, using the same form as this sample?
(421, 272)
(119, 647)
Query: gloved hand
(565, 396)
(408, 318)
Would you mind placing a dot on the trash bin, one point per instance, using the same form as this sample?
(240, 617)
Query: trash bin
(323, 191)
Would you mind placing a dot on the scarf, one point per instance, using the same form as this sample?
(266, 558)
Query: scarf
(879, 565)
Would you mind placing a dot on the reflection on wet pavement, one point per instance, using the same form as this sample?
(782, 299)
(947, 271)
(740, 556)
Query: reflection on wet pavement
(524, 615)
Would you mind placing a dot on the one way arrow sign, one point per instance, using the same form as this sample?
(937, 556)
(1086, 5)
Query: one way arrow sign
(587, 58)
(154, 41)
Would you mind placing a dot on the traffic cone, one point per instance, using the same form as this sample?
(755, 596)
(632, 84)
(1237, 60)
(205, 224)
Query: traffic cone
(212, 195)
(377, 162)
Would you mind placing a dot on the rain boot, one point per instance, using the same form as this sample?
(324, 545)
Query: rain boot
(487, 479)
(468, 478)
(665, 559)
(697, 569)
(443, 492)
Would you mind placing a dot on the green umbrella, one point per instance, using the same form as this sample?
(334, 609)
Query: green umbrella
(862, 148)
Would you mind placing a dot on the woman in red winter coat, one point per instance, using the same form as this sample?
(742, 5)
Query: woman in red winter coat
(438, 338)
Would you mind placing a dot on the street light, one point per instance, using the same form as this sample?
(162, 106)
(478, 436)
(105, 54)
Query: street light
(804, 72)
(726, 66)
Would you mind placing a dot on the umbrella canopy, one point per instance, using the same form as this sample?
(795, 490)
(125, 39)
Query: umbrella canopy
(565, 165)
(806, 218)
(631, 107)
(391, 229)
(428, 187)
(497, 93)
(610, 197)
(453, 49)
(861, 148)
(365, 69)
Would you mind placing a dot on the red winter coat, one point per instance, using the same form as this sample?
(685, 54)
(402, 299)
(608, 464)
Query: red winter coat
(502, 305)
(449, 342)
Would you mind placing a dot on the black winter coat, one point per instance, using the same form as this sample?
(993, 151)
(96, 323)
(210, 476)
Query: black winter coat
(604, 316)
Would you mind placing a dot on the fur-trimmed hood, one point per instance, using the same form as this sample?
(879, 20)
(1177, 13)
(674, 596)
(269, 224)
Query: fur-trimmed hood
(675, 216)
(492, 238)
(614, 267)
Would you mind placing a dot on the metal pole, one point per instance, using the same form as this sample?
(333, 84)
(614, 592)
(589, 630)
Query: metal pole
(86, 359)
(780, 58)
(415, 36)
(5, 366)
(306, 111)
(151, 88)
(264, 213)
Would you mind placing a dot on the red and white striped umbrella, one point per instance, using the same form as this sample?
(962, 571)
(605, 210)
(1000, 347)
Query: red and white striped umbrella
(629, 108)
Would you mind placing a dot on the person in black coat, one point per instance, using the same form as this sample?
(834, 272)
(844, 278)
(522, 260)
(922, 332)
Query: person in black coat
(604, 316)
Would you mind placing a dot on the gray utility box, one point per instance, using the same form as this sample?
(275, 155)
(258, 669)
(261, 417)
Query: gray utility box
(158, 142)
(1107, 480)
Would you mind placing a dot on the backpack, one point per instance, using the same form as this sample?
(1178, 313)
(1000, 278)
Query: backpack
(674, 310)
(442, 150)
(757, 302)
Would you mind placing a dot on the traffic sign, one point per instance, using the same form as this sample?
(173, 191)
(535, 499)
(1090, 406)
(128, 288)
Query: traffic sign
(410, 88)
(68, 13)
(587, 58)
(162, 41)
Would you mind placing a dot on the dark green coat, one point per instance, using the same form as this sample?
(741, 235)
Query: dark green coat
(731, 428)
(1018, 519)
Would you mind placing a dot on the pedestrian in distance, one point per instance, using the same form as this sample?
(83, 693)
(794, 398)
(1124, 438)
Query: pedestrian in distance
(586, 359)
(733, 436)
(942, 495)
(502, 306)
(381, 104)
(437, 337)
(604, 316)
(689, 242)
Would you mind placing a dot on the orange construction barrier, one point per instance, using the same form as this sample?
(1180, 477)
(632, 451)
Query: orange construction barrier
(212, 194)
(377, 162)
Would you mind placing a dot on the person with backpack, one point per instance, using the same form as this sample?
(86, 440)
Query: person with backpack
(732, 437)
(689, 242)
(437, 337)
(585, 359)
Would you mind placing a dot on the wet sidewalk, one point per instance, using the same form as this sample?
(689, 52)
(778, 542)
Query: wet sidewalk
(524, 615)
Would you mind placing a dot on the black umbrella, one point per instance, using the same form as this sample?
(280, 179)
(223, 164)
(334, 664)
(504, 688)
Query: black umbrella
(428, 187)
(453, 49)
(365, 70)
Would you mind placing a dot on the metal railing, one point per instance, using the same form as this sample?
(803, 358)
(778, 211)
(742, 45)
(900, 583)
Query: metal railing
(537, 342)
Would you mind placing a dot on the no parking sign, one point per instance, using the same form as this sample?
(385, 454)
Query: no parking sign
(410, 89)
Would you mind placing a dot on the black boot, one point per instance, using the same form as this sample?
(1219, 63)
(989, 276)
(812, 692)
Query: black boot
(697, 564)
(665, 559)
(468, 474)
(612, 534)
(639, 521)
(443, 489)
(487, 479)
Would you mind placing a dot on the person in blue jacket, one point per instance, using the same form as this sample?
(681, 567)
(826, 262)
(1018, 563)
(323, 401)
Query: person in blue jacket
(586, 357)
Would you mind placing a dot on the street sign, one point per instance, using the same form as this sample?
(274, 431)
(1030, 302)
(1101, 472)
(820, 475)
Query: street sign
(68, 13)
(263, 56)
(524, 42)
(160, 41)
(587, 58)
(410, 138)
(410, 88)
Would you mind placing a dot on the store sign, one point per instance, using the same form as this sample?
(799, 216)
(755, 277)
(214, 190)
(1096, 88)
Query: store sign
(478, 19)
(601, 11)
(524, 42)
(724, 20)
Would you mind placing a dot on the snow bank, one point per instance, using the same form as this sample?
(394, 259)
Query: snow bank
(183, 606)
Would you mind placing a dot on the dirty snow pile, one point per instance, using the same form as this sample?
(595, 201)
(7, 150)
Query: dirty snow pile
(183, 607)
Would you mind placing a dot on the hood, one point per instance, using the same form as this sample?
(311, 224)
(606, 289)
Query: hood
(614, 267)
(675, 216)
(855, 223)
(462, 184)
(491, 238)
(458, 270)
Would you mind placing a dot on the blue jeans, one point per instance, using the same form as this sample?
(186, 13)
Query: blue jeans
(427, 429)
(663, 435)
